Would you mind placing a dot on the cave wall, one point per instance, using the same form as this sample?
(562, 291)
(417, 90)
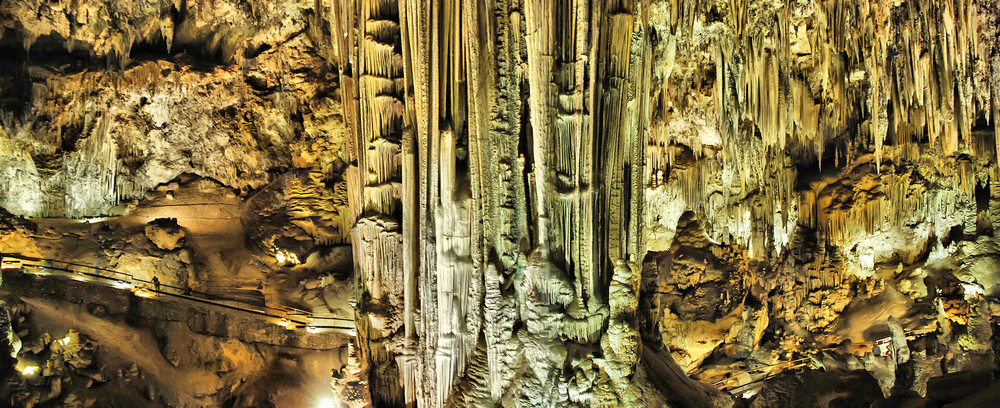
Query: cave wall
(221, 121)
(548, 202)
(813, 142)
(104, 102)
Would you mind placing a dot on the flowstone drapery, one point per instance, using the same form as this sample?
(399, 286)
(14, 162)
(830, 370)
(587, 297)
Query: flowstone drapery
(515, 178)
(517, 161)
(547, 203)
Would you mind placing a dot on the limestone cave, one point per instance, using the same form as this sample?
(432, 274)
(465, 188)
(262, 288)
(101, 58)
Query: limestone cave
(499, 203)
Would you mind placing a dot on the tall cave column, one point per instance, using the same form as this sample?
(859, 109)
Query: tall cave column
(464, 70)
(620, 152)
(449, 283)
(499, 157)
(377, 235)
(501, 220)
(587, 96)
(586, 78)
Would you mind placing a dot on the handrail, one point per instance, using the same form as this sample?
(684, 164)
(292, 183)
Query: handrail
(286, 314)
(28, 258)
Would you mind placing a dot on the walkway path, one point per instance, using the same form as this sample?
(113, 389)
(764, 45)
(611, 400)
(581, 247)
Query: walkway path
(282, 315)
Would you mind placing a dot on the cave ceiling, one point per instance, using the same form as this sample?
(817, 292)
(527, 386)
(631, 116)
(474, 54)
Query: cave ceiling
(527, 203)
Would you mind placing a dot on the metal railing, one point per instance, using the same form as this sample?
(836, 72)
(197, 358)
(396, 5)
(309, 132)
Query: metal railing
(283, 315)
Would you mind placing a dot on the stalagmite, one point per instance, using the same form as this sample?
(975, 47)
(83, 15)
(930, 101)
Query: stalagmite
(548, 203)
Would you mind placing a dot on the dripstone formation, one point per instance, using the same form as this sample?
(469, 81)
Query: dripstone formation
(540, 203)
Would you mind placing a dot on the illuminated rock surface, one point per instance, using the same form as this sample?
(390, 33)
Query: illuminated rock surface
(518, 203)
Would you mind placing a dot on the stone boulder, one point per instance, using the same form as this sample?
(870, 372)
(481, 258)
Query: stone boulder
(165, 233)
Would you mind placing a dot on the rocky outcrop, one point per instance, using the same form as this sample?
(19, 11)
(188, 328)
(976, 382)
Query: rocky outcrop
(811, 155)
(110, 107)
(541, 196)
(165, 233)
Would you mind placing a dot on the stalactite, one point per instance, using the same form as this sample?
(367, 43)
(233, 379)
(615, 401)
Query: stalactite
(375, 193)
(504, 166)
(468, 161)
(786, 83)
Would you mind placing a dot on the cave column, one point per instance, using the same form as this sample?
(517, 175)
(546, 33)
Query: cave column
(377, 126)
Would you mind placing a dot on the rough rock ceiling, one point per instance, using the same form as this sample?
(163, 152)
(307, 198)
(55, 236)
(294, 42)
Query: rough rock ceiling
(547, 203)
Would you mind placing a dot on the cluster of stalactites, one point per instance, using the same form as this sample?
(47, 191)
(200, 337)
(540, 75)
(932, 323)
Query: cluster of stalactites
(797, 73)
(860, 75)
(87, 180)
(94, 175)
(99, 31)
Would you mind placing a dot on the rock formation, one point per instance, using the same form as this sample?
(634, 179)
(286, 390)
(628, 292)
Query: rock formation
(546, 203)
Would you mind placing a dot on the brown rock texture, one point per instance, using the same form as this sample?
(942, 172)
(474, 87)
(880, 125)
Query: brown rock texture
(165, 233)
(543, 203)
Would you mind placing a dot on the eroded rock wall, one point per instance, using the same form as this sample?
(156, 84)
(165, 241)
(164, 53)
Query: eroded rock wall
(554, 203)
(547, 147)
(104, 102)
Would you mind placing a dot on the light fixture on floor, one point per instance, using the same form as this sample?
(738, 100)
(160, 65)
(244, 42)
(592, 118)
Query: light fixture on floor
(285, 257)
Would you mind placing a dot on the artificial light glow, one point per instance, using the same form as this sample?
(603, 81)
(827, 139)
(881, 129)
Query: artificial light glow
(64, 341)
(972, 290)
(36, 270)
(27, 369)
(286, 257)
(327, 403)
(143, 293)
(284, 322)
(6, 264)
(122, 285)
(749, 393)
(312, 329)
